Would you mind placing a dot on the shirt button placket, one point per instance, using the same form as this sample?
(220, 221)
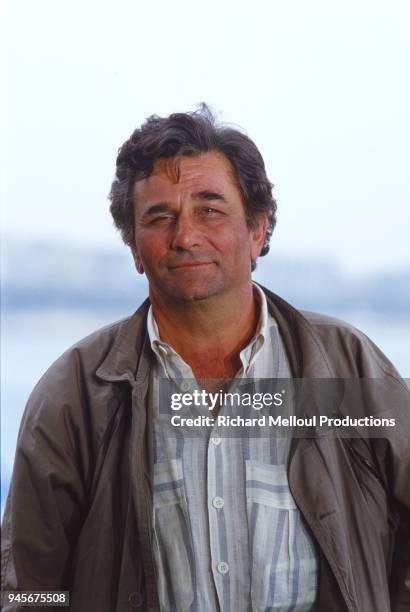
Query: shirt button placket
(216, 508)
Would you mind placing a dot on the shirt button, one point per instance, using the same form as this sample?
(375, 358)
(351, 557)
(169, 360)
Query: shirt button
(216, 440)
(135, 599)
(223, 567)
(218, 502)
(185, 385)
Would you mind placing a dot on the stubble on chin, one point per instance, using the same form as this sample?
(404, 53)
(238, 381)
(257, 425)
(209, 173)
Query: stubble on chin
(193, 294)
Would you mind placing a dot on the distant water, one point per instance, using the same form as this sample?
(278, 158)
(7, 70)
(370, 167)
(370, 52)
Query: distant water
(391, 333)
(31, 341)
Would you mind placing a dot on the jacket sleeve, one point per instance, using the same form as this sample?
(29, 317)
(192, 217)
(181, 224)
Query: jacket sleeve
(46, 502)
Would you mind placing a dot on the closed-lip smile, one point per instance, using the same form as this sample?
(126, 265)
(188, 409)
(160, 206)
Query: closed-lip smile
(191, 264)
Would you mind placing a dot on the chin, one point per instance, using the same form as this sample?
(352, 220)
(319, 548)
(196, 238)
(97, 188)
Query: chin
(197, 297)
(192, 296)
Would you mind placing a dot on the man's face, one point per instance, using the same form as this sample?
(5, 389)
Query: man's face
(191, 235)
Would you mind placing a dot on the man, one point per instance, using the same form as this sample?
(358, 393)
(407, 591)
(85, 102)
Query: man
(109, 505)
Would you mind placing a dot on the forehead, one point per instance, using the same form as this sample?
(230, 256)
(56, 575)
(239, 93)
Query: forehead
(173, 175)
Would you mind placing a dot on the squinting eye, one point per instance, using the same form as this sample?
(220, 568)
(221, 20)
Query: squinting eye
(162, 218)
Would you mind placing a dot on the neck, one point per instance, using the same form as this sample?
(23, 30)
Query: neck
(209, 334)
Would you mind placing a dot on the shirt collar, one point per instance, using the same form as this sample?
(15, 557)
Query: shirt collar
(165, 353)
(251, 351)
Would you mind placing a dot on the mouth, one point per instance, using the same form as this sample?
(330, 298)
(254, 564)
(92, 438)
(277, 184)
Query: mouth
(191, 264)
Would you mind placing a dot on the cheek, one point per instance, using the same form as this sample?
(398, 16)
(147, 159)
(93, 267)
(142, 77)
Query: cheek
(236, 242)
(151, 247)
(232, 230)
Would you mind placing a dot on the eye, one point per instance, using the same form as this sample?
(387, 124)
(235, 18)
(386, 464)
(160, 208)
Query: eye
(162, 219)
(209, 213)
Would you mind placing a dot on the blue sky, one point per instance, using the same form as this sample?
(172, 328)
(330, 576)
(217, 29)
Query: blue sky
(322, 87)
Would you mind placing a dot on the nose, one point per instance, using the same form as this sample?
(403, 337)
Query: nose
(186, 233)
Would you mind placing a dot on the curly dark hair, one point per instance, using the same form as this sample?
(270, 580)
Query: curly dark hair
(190, 134)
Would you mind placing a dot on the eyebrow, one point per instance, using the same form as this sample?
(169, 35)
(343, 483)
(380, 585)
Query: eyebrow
(209, 195)
(156, 208)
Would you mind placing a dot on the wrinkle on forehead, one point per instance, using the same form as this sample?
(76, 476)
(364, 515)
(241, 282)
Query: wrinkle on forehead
(170, 166)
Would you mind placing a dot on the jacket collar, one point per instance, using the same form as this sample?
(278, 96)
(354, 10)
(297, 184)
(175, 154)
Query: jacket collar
(130, 355)
(306, 353)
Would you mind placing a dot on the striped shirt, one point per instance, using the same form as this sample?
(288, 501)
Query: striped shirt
(227, 533)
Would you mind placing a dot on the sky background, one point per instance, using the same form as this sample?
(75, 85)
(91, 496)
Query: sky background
(322, 87)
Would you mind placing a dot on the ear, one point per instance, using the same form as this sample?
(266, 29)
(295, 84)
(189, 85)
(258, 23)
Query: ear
(258, 237)
(137, 260)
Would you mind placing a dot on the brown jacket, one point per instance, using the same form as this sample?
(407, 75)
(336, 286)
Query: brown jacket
(78, 515)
